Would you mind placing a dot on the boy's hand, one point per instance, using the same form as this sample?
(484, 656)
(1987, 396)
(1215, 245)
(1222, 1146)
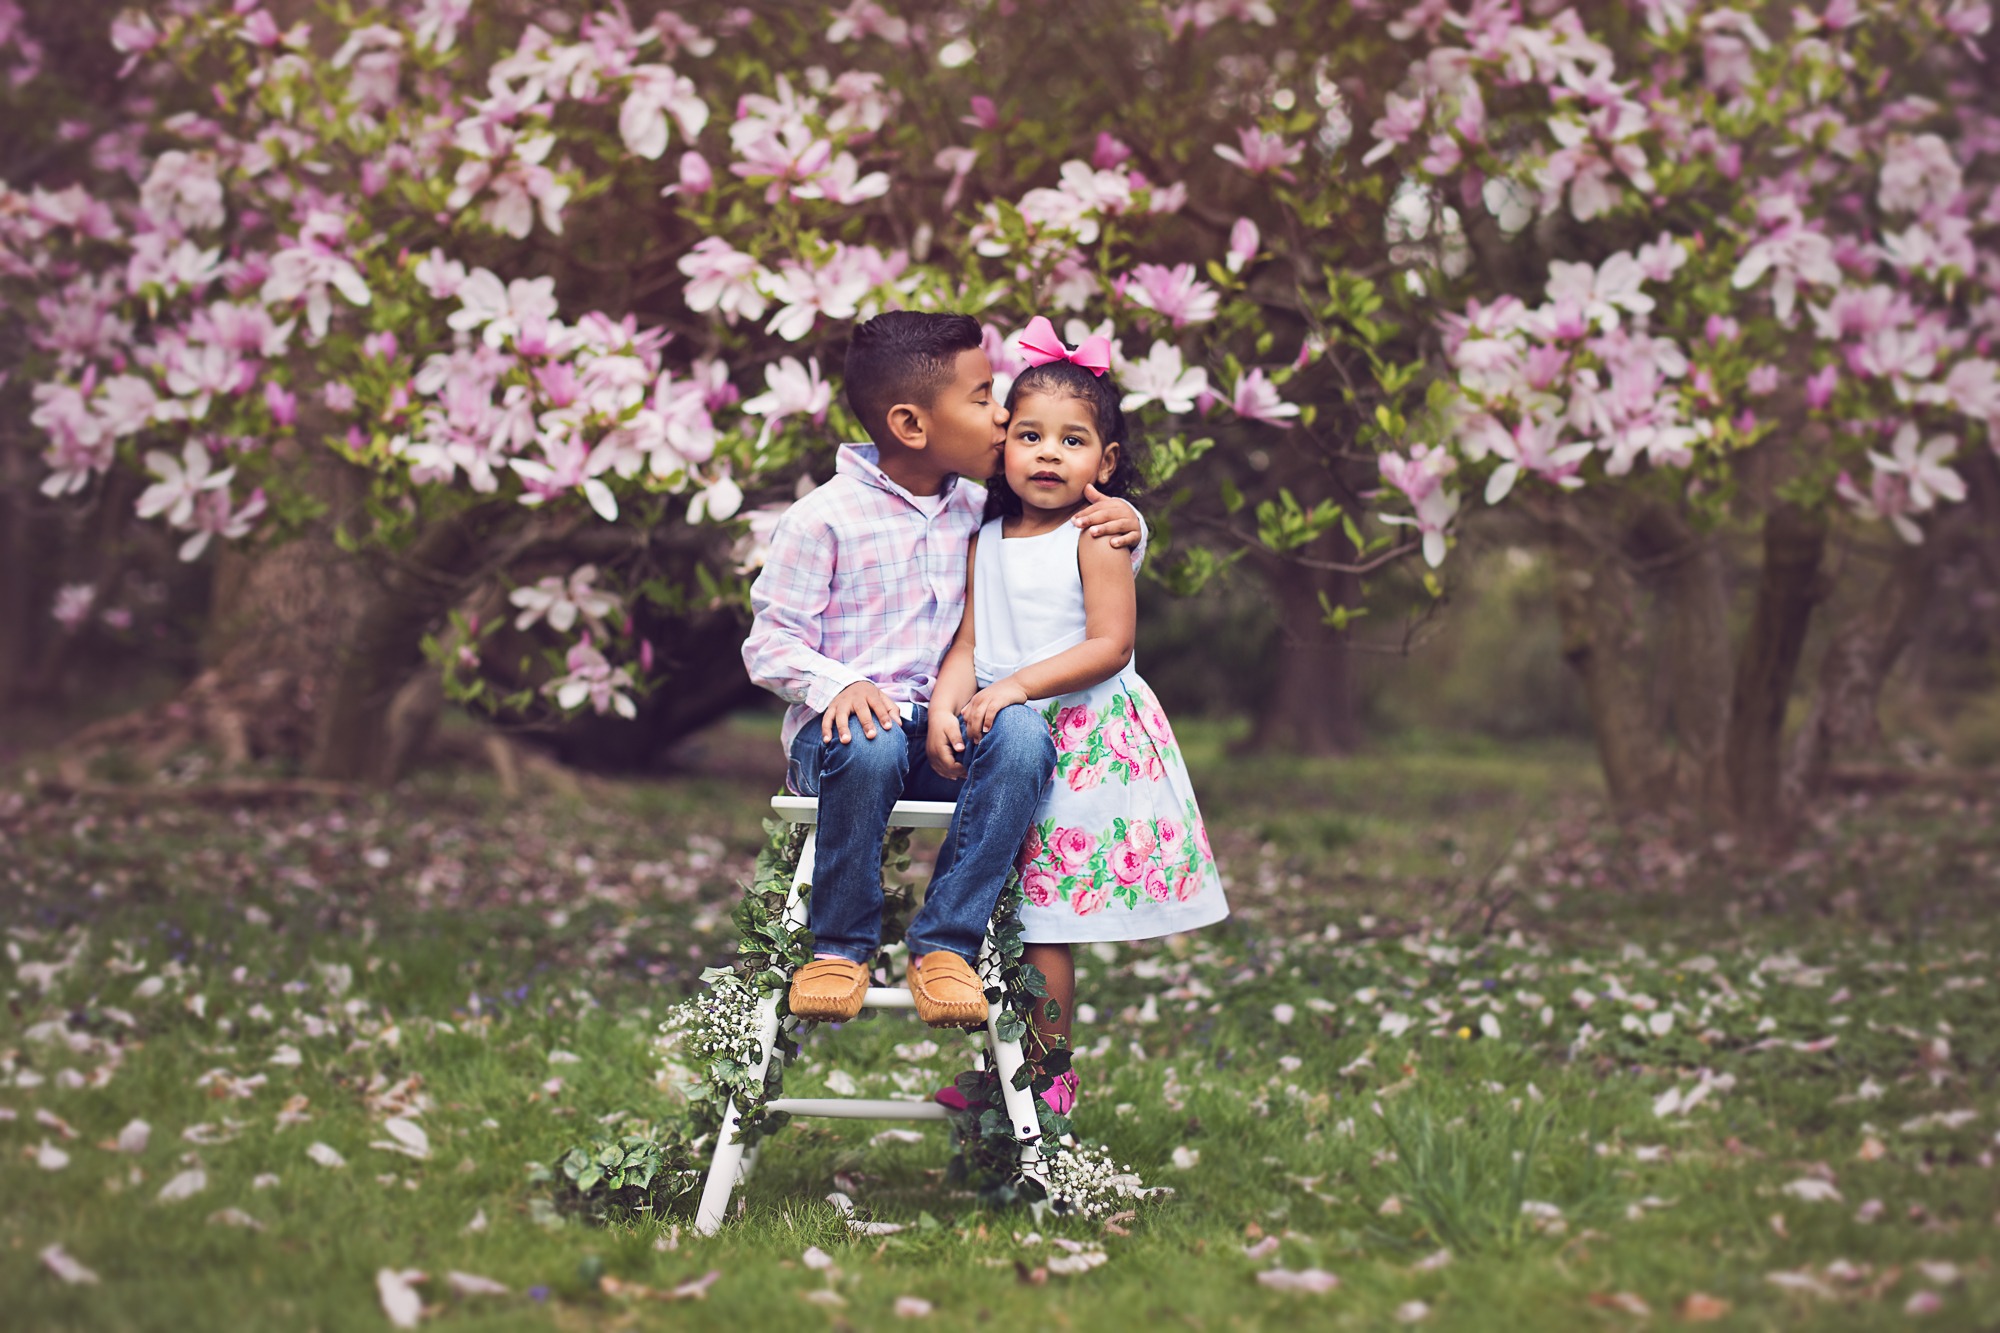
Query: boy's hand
(1108, 517)
(862, 703)
(986, 706)
(945, 744)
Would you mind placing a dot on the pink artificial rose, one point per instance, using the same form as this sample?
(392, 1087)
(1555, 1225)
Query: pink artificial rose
(1073, 729)
(1172, 840)
(1085, 776)
(1041, 887)
(1087, 901)
(1186, 885)
(1128, 863)
(1073, 847)
(1140, 836)
(1156, 884)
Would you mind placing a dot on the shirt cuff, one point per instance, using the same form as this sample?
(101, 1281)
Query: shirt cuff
(820, 690)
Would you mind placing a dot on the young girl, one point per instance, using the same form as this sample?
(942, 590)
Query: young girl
(1117, 850)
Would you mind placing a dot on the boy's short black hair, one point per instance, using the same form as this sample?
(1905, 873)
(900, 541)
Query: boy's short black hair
(903, 356)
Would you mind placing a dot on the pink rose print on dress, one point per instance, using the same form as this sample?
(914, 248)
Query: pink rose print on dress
(1128, 863)
(1073, 730)
(1118, 735)
(1031, 850)
(1155, 771)
(1186, 885)
(1090, 900)
(1085, 776)
(1041, 887)
(1155, 723)
(1073, 847)
(1139, 835)
(1173, 841)
(1156, 884)
(1201, 841)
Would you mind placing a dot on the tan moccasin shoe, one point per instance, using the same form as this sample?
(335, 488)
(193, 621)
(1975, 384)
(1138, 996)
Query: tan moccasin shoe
(947, 991)
(829, 990)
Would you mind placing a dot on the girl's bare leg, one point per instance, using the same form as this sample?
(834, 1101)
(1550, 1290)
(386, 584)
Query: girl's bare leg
(1060, 969)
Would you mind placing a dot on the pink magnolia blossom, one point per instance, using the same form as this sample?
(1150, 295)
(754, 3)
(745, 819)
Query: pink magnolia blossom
(865, 18)
(791, 390)
(657, 94)
(722, 279)
(181, 482)
(312, 267)
(1175, 293)
(1259, 151)
(1256, 399)
(592, 679)
(184, 190)
(72, 604)
(1923, 467)
(1243, 241)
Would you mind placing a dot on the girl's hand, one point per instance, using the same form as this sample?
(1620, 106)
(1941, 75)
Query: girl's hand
(1108, 517)
(945, 743)
(986, 706)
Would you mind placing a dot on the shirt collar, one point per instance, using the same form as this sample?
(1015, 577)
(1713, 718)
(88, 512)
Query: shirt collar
(861, 462)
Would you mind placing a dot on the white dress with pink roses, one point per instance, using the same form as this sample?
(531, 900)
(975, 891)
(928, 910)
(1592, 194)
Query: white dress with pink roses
(1117, 851)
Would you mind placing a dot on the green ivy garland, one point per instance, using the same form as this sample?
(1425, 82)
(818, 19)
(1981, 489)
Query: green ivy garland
(716, 1032)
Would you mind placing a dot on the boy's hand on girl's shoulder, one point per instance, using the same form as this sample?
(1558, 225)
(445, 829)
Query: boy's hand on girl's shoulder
(861, 704)
(1108, 517)
(986, 705)
(945, 743)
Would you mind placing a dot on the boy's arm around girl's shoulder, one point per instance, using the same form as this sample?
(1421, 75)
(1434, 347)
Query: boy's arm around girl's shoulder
(787, 601)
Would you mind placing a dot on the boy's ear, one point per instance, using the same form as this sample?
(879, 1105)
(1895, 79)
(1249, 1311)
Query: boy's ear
(907, 425)
(1110, 463)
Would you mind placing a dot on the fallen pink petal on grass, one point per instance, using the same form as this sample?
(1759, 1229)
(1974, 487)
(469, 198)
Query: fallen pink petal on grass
(1310, 1281)
(912, 1307)
(65, 1266)
(397, 1289)
(471, 1284)
(184, 1186)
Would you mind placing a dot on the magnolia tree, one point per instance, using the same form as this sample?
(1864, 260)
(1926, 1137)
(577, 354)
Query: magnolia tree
(1719, 265)
(538, 311)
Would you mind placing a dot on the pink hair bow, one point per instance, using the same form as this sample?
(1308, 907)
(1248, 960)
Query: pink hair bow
(1040, 345)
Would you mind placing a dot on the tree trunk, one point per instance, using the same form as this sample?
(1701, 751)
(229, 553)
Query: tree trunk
(1794, 542)
(1598, 607)
(1693, 659)
(1857, 662)
(1311, 707)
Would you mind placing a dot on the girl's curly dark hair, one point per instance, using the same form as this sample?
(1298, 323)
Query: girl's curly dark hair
(1066, 379)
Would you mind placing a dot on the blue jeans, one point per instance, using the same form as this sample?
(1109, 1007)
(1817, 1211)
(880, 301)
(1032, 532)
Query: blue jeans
(1007, 773)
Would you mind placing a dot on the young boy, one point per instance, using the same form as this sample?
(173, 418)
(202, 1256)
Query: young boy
(859, 599)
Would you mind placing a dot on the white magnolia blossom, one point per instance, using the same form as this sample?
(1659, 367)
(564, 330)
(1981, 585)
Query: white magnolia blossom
(1162, 377)
(564, 601)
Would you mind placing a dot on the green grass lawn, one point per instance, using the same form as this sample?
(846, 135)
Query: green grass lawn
(1444, 1051)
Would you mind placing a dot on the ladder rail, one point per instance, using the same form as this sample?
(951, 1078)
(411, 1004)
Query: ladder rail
(730, 1165)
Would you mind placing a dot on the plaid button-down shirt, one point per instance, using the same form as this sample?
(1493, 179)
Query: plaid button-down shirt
(862, 584)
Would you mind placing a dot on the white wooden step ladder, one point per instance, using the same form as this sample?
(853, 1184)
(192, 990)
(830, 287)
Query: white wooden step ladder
(730, 1165)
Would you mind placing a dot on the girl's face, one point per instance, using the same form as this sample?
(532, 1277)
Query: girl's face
(1054, 451)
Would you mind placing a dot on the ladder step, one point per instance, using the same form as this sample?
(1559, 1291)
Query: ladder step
(888, 997)
(858, 1108)
(907, 814)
